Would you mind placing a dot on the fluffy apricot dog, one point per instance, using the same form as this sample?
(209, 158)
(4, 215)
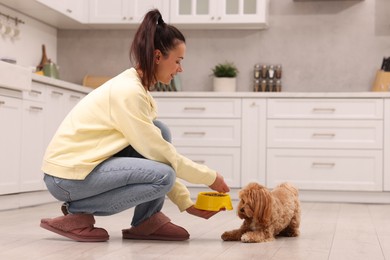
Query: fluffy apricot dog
(266, 214)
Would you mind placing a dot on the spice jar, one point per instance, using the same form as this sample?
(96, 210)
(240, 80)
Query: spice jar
(257, 71)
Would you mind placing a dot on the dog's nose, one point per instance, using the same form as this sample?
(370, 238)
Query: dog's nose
(241, 209)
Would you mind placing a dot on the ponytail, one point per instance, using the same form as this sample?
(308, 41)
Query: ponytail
(153, 34)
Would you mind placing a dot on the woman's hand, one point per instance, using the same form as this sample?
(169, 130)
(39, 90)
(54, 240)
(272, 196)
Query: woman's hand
(201, 213)
(219, 184)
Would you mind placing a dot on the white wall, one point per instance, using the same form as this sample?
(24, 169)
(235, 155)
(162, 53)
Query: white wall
(323, 46)
(27, 47)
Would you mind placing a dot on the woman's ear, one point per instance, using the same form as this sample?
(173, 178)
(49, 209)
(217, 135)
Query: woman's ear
(157, 55)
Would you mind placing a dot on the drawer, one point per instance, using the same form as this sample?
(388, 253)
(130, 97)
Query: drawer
(198, 108)
(325, 108)
(344, 170)
(226, 161)
(37, 93)
(363, 134)
(204, 132)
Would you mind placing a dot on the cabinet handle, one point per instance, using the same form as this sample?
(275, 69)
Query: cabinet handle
(68, 11)
(36, 92)
(324, 110)
(323, 165)
(2, 102)
(195, 108)
(130, 18)
(74, 96)
(323, 135)
(124, 18)
(194, 133)
(200, 161)
(35, 108)
(57, 93)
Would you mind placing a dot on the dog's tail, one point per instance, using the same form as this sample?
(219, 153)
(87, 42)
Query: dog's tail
(290, 187)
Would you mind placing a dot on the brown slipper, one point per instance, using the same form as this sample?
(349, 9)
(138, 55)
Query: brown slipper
(157, 227)
(78, 227)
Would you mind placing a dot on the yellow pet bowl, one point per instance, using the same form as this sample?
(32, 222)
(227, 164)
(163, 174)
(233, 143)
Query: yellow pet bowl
(213, 201)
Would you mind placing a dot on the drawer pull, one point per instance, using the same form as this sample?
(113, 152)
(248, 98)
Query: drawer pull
(324, 110)
(57, 93)
(194, 133)
(74, 96)
(323, 165)
(323, 135)
(199, 161)
(36, 92)
(2, 102)
(35, 108)
(195, 108)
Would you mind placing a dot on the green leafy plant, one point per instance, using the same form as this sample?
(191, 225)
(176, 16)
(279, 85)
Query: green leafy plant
(225, 70)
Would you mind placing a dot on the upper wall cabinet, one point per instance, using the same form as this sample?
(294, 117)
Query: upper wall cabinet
(124, 11)
(219, 13)
(126, 14)
(75, 9)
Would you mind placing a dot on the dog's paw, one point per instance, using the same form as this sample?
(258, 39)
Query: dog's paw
(230, 236)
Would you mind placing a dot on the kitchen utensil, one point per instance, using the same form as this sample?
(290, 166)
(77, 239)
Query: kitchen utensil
(50, 70)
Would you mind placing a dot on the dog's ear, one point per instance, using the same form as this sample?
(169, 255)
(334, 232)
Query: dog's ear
(263, 205)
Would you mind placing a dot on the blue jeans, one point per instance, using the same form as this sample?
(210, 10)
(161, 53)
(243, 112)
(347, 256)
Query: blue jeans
(121, 182)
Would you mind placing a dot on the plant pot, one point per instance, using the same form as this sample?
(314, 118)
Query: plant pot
(224, 84)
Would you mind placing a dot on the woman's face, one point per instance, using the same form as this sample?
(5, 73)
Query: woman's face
(167, 67)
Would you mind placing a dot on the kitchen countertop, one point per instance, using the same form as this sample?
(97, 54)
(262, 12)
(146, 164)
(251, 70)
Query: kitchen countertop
(60, 83)
(187, 94)
(273, 94)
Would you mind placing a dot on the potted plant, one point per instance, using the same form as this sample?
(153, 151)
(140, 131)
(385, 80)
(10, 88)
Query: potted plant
(225, 77)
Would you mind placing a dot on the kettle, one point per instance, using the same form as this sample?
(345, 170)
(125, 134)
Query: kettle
(50, 69)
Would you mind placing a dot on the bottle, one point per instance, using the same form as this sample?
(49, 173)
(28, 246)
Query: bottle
(263, 85)
(278, 71)
(44, 59)
(257, 71)
(256, 85)
(278, 85)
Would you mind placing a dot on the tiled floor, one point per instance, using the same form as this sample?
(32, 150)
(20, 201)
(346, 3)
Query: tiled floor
(328, 231)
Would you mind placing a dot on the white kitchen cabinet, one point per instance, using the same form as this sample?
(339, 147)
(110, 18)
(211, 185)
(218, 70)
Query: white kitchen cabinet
(11, 127)
(75, 9)
(220, 13)
(206, 130)
(59, 102)
(33, 146)
(124, 11)
(386, 148)
(253, 149)
(325, 144)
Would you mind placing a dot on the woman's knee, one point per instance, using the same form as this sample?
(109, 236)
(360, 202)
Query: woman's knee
(165, 132)
(169, 177)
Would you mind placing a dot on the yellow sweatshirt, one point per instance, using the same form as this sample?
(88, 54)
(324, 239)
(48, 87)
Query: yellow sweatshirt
(108, 119)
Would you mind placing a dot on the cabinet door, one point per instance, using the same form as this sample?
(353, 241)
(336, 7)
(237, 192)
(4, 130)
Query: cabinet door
(33, 146)
(59, 102)
(225, 160)
(253, 149)
(10, 125)
(242, 11)
(114, 11)
(194, 11)
(75, 9)
(239, 13)
(314, 169)
(55, 112)
(386, 148)
(124, 11)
